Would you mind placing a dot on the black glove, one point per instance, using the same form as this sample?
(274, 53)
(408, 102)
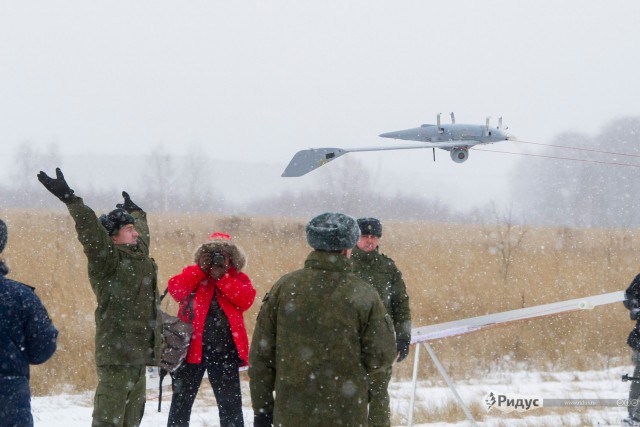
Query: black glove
(263, 419)
(128, 205)
(58, 186)
(403, 349)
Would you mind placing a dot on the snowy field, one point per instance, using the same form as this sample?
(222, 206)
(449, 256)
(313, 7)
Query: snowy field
(434, 401)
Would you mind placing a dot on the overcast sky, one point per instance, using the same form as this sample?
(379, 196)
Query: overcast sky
(259, 80)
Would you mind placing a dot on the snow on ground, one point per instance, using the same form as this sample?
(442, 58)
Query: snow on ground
(435, 403)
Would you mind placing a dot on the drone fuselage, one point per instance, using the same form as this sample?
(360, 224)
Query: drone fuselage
(471, 134)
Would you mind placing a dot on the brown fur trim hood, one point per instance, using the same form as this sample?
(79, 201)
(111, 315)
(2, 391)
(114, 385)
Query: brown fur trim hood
(236, 254)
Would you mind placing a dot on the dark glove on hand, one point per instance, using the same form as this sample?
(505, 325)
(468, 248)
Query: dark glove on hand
(56, 186)
(128, 205)
(403, 350)
(263, 419)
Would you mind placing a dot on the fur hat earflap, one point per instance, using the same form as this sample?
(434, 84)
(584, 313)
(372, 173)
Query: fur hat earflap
(221, 242)
(3, 235)
(333, 232)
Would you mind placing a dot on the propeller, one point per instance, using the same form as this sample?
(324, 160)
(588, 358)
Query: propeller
(500, 124)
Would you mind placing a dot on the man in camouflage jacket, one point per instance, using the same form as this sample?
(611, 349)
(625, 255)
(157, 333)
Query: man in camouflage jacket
(379, 271)
(128, 321)
(319, 332)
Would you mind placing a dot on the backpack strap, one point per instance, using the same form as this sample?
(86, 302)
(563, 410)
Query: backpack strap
(188, 308)
(162, 373)
(164, 294)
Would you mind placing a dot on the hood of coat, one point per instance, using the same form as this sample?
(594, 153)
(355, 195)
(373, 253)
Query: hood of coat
(236, 254)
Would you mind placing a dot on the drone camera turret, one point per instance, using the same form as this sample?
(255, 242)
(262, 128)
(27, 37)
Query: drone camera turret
(459, 155)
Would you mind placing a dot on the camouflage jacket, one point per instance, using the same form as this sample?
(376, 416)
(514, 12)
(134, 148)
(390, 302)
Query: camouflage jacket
(319, 332)
(124, 280)
(381, 272)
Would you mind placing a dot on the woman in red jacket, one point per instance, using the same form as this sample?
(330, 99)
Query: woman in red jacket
(213, 294)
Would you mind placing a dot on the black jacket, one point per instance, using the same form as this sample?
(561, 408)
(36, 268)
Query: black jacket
(632, 303)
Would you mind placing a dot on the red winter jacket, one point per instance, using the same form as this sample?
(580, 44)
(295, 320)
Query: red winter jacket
(235, 296)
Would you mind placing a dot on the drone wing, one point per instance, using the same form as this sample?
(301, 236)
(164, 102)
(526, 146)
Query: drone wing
(305, 161)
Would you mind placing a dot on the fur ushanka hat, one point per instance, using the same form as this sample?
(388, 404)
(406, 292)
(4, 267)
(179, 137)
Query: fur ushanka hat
(115, 220)
(3, 235)
(333, 232)
(221, 242)
(370, 227)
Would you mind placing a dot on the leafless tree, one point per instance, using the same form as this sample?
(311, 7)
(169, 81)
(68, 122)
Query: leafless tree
(505, 237)
(198, 181)
(160, 178)
(594, 191)
(28, 159)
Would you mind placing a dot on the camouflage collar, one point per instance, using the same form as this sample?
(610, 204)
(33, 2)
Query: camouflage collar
(366, 257)
(331, 261)
(132, 251)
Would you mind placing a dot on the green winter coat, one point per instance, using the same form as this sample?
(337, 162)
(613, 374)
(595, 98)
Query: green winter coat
(124, 280)
(319, 332)
(381, 272)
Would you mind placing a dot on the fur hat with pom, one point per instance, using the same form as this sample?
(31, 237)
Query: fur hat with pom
(221, 242)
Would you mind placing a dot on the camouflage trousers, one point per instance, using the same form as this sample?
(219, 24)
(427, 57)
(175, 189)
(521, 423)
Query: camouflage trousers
(120, 396)
(379, 409)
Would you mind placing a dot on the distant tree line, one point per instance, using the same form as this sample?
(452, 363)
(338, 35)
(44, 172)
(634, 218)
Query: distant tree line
(550, 190)
(169, 183)
(583, 193)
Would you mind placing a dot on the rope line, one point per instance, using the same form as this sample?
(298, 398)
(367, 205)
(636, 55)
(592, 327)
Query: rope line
(579, 148)
(560, 158)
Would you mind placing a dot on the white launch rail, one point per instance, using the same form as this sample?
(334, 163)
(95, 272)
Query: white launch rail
(473, 324)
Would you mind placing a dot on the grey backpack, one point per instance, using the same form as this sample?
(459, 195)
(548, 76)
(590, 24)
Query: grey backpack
(175, 343)
(176, 337)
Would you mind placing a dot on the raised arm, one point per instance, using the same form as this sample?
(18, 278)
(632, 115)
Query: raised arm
(141, 220)
(92, 235)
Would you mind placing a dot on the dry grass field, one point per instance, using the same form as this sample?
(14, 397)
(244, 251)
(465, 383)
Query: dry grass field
(452, 271)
